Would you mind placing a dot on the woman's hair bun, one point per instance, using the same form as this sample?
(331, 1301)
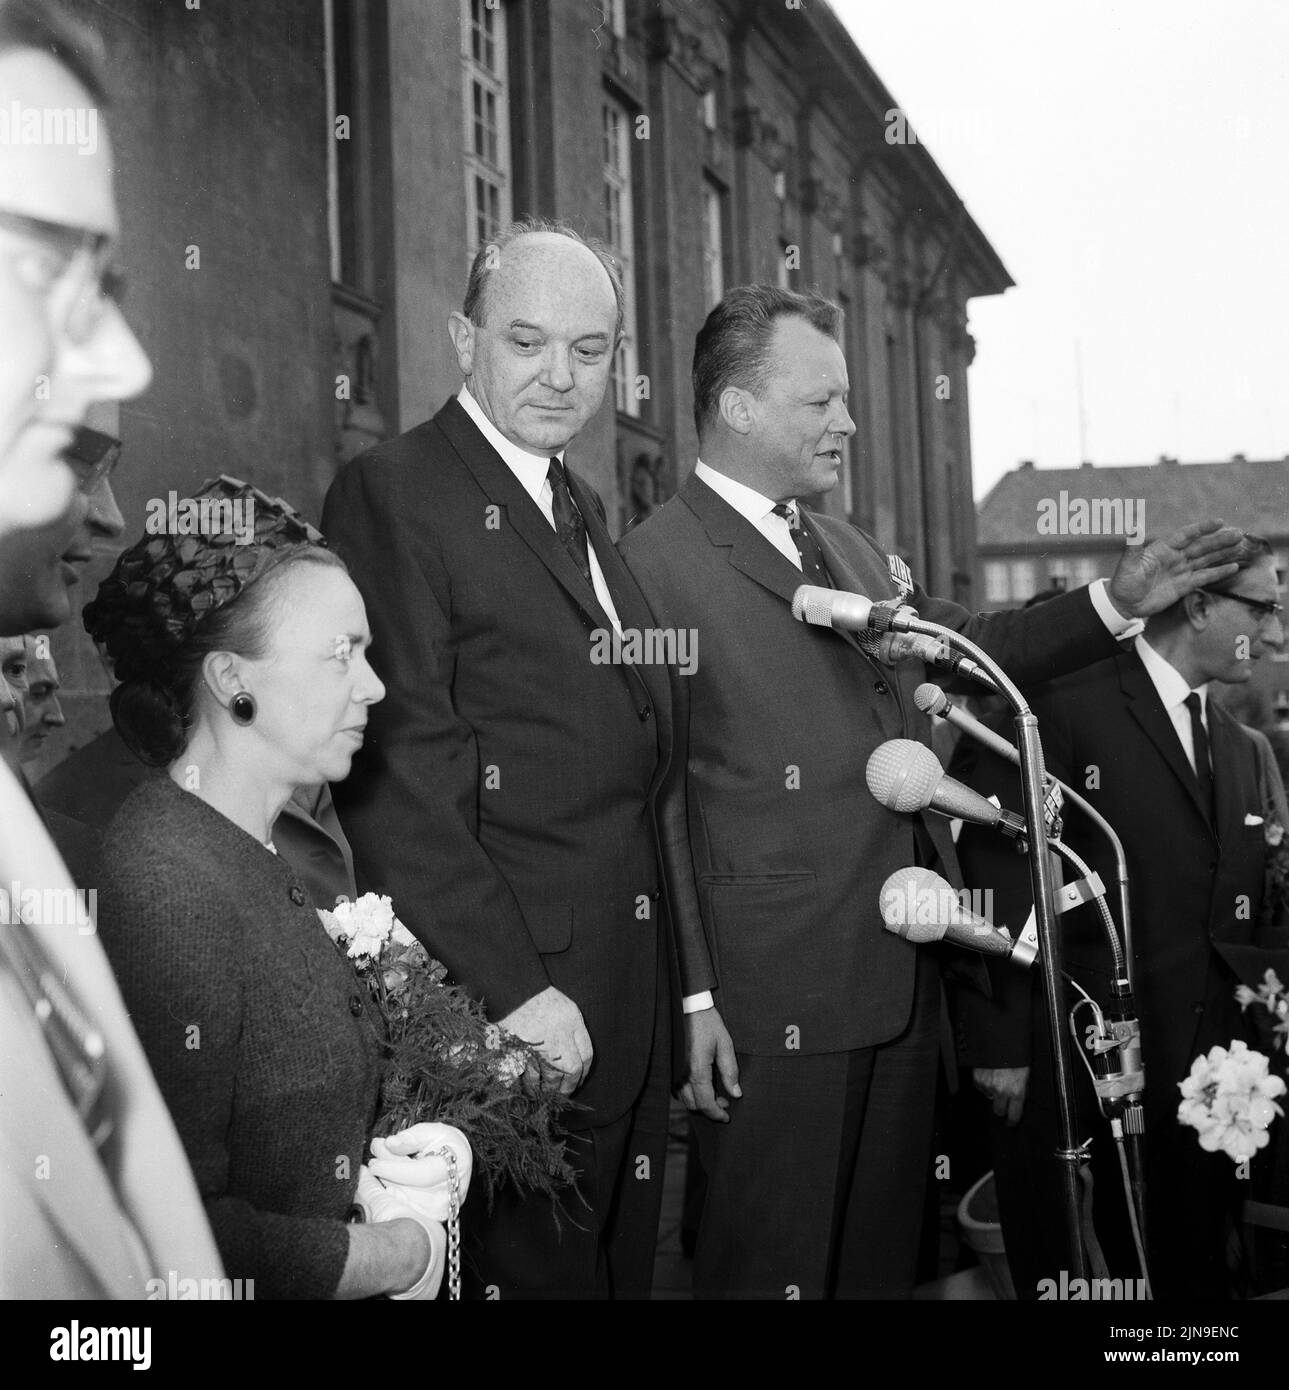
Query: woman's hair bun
(148, 718)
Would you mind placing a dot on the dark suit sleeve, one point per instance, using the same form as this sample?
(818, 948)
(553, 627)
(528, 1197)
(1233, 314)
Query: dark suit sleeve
(411, 805)
(671, 814)
(1031, 644)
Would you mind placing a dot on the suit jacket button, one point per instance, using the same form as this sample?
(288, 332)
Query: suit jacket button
(297, 895)
(882, 688)
(355, 1005)
(645, 713)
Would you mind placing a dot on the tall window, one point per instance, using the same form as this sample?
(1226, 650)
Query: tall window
(1059, 570)
(340, 160)
(1024, 580)
(1086, 569)
(708, 109)
(487, 117)
(619, 233)
(713, 243)
(615, 16)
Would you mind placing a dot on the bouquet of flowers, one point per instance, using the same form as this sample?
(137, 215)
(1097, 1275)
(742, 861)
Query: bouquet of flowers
(1274, 998)
(1230, 1098)
(447, 1062)
(1277, 886)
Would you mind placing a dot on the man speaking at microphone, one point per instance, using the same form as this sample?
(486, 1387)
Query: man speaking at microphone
(811, 1029)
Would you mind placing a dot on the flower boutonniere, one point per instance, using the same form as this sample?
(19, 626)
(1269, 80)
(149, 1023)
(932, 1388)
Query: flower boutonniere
(1277, 847)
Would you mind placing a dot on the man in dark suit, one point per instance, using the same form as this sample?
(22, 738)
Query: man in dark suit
(819, 1025)
(1179, 780)
(505, 795)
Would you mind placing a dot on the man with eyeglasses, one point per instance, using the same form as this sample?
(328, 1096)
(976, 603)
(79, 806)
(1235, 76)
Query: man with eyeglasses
(1179, 780)
(96, 1196)
(40, 565)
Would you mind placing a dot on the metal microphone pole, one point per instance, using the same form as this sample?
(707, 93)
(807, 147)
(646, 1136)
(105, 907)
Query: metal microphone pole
(1069, 1154)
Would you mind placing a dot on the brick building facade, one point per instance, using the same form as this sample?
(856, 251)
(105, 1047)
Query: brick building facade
(303, 184)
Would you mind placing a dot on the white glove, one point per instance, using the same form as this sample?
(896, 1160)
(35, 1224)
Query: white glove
(409, 1160)
(379, 1202)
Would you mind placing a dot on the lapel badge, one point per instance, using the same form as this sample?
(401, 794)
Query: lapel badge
(901, 575)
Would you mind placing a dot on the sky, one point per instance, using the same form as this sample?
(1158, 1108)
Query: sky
(1129, 161)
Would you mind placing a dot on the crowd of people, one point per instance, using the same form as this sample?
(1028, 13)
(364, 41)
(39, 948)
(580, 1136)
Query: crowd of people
(664, 881)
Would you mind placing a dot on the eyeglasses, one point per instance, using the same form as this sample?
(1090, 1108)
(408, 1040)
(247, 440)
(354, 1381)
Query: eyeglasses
(72, 267)
(1264, 608)
(93, 455)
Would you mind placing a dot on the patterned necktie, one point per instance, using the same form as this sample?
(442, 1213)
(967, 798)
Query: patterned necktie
(812, 559)
(1203, 764)
(569, 525)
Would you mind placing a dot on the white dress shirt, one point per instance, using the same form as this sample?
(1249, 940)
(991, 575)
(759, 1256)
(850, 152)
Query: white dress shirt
(531, 470)
(759, 510)
(1173, 690)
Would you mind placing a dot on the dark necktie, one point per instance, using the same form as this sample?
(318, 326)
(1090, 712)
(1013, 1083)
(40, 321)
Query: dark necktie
(812, 558)
(569, 525)
(1203, 766)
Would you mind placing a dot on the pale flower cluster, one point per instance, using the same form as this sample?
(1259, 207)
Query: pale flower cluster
(1230, 1099)
(366, 924)
(1273, 997)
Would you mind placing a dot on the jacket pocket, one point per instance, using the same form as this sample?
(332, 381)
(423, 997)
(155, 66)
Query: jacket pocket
(551, 928)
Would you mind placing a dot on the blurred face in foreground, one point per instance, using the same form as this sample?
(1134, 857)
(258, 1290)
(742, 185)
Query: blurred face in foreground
(66, 345)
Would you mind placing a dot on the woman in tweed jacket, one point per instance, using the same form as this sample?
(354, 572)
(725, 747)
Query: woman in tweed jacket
(242, 671)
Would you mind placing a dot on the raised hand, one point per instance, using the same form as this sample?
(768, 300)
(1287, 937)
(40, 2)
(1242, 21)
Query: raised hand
(1153, 577)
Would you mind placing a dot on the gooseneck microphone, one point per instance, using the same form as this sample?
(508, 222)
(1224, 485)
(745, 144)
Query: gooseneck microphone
(907, 776)
(919, 905)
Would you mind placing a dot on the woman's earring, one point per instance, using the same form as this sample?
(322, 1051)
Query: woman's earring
(242, 708)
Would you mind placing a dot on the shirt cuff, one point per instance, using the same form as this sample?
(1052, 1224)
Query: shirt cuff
(696, 1003)
(1119, 627)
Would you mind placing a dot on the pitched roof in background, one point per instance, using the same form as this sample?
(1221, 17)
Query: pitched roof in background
(1252, 494)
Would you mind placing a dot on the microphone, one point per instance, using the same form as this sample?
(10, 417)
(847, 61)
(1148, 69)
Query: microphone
(920, 906)
(812, 603)
(930, 699)
(907, 776)
(934, 651)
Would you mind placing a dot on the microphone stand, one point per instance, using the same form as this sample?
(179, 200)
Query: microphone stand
(1069, 1154)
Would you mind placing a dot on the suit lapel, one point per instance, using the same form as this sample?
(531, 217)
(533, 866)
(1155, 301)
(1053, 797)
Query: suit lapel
(751, 554)
(1148, 710)
(633, 613)
(847, 576)
(523, 515)
(1230, 801)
